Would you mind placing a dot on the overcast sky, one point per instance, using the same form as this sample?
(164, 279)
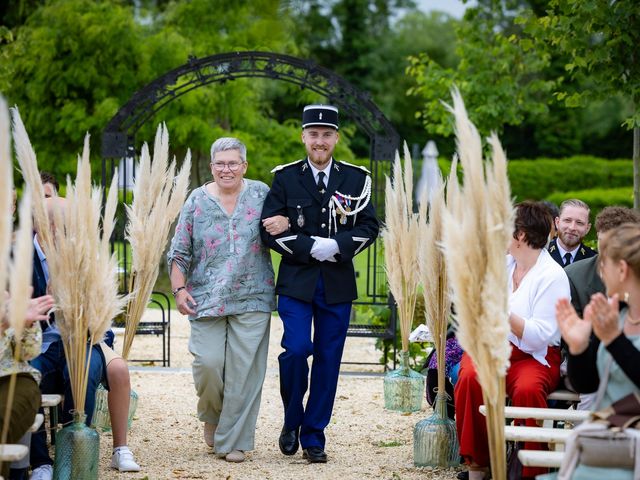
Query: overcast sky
(453, 7)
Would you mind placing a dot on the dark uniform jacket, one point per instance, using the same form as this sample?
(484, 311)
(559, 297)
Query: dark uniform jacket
(583, 252)
(584, 282)
(295, 195)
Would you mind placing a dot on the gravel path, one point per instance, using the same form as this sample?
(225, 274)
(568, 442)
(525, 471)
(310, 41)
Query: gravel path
(364, 441)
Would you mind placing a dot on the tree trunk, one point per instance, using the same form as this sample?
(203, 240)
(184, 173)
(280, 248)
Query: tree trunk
(636, 168)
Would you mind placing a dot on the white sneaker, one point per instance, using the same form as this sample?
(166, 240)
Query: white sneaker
(123, 461)
(43, 472)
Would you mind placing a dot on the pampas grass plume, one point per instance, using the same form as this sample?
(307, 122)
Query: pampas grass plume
(158, 196)
(400, 237)
(478, 224)
(6, 198)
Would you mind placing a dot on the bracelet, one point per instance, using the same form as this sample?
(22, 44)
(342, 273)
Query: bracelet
(175, 292)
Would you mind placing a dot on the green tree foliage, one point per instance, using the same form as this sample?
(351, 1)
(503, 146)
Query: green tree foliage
(600, 40)
(73, 63)
(368, 42)
(500, 80)
(509, 71)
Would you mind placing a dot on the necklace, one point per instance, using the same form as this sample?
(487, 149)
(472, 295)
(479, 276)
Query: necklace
(517, 279)
(631, 321)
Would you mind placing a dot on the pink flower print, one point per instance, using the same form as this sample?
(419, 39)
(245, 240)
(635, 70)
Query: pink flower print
(255, 247)
(189, 228)
(221, 310)
(218, 228)
(213, 244)
(269, 282)
(250, 214)
(229, 267)
(197, 212)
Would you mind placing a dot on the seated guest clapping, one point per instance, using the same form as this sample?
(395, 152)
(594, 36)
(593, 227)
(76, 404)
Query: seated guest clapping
(615, 322)
(536, 282)
(26, 399)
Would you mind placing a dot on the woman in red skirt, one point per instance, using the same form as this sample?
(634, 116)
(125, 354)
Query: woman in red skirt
(536, 282)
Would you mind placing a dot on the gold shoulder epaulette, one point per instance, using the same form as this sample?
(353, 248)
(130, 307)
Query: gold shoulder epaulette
(355, 166)
(280, 167)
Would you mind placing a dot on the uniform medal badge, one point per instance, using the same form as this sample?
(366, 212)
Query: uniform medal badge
(300, 220)
(347, 209)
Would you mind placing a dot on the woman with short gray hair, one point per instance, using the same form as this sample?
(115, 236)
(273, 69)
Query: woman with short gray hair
(222, 278)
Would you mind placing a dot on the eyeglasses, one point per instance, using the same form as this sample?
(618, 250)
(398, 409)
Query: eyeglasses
(233, 166)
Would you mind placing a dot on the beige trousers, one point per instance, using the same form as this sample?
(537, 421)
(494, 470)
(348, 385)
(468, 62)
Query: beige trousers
(229, 363)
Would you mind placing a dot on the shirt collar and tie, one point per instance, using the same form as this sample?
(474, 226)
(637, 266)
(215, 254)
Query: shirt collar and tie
(563, 254)
(326, 171)
(322, 186)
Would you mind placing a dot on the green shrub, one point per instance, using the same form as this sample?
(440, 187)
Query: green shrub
(597, 198)
(540, 178)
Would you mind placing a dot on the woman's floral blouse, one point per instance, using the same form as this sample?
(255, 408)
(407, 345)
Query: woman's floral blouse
(30, 348)
(227, 268)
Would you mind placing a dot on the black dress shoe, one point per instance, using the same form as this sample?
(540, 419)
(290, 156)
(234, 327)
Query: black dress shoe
(288, 441)
(314, 455)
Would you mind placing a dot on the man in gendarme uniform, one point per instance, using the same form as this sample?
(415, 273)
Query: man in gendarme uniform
(331, 219)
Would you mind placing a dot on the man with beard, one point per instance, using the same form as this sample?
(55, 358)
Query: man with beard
(331, 219)
(572, 226)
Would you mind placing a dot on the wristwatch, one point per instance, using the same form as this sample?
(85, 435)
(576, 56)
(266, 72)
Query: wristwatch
(175, 292)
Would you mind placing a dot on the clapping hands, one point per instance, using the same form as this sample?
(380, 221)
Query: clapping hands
(603, 314)
(600, 316)
(574, 330)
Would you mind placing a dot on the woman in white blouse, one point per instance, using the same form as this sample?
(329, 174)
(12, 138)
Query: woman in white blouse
(536, 282)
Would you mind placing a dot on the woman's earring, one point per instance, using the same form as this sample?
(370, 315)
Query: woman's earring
(625, 297)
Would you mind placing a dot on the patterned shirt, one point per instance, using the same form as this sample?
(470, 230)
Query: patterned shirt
(30, 348)
(228, 269)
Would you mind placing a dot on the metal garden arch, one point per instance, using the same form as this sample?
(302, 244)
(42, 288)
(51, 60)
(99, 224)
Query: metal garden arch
(119, 135)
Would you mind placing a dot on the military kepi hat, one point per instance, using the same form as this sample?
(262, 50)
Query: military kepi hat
(320, 116)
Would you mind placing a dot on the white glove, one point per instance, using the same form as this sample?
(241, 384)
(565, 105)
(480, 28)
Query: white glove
(324, 249)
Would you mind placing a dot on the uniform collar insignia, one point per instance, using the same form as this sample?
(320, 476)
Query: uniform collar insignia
(304, 166)
(336, 166)
(583, 251)
(552, 248)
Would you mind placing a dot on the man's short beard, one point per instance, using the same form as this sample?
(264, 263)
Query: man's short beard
(567, 244)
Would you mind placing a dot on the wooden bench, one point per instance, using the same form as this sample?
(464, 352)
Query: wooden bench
(565, 396)
(13, 452)
(536, 434)
(51, 401)
(540, 458)
(554, 436)
(36, 423)
(555, 414)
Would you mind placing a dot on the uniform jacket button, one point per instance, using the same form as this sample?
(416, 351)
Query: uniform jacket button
(324, 210)
(323, 225)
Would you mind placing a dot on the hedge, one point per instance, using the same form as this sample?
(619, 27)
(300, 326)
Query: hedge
(540, 178)
(597, 198)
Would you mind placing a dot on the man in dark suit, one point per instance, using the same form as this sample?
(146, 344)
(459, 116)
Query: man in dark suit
(331, 220)
(584, 279)
(583, 276)
(572, 226)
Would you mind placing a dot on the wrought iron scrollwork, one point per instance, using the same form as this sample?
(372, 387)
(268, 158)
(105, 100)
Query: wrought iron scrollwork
(118, 136)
